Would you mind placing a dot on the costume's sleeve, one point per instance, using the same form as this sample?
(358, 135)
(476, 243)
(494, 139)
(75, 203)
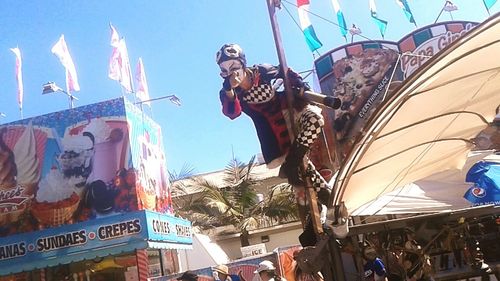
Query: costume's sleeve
(230, 107)
(269, 72)
(296, 80)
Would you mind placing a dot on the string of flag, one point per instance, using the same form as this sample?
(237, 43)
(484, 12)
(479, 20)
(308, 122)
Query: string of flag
(314, 43)
(381, 24)
(340, 18)
(488, 4)
(406, 10)
(119, 64)
(311, 39)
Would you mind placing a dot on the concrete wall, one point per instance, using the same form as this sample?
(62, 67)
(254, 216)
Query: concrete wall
(279, 236)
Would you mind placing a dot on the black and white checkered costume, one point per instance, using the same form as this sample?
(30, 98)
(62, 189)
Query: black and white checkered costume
(266, 106)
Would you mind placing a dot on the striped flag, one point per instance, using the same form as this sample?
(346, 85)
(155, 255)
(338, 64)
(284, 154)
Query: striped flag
(488, 4)
(142, 91)
(406, 9)
(119, 63)
(305, 24)
(340, 18)
(61, 51)
(381, 24)
(19, 76)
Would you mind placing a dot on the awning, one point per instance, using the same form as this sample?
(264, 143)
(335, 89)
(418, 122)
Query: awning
(430, 123)
(94, 238)
(440, 192)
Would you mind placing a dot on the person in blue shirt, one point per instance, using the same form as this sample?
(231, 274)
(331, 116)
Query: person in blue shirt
(374, 268)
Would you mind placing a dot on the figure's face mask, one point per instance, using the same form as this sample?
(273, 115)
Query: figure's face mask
(227, 68)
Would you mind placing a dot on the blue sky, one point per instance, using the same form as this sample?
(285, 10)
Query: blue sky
(177, 40)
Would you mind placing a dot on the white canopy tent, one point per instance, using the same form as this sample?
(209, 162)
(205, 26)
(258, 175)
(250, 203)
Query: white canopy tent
(441, 192)
(429, 124)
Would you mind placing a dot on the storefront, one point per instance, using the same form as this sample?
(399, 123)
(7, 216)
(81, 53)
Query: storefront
(115, 243)
(84, 196)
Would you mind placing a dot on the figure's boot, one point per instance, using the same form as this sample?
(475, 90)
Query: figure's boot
(290, 169)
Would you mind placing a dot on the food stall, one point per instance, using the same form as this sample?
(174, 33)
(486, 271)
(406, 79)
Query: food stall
(84, 196)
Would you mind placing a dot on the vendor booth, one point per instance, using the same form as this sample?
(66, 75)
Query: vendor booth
(417, 115)
(84, 196)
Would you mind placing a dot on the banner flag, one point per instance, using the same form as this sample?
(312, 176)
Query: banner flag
(19, 76)
(119, 64)
(115, 60)
(340, 18)
(381, 24)
(142, 90)
(125, 70)
(488, 4)
(305, 24)
(406, 9)
(60, 49)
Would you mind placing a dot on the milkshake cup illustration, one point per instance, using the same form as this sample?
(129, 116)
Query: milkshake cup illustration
(105, 161)
(76, 159)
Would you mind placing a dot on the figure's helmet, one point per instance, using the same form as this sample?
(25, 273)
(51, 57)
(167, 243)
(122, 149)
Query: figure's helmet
(231, 52)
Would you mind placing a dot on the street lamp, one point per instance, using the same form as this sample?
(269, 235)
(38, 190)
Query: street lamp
(51, 87)
(172, 98)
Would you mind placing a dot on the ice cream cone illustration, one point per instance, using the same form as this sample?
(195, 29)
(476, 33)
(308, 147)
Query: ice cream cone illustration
(19, 175)
(56, 200)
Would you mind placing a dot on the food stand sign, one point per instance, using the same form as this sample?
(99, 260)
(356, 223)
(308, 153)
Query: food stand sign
(99, 237)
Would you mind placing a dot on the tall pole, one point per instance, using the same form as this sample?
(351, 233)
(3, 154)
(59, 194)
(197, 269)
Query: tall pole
(271, 5)
(313, 206)
(68, 92)
(338, 273)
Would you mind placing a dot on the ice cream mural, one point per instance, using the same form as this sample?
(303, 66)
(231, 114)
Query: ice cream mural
(147, 151)
(79, 164)
(19, 170)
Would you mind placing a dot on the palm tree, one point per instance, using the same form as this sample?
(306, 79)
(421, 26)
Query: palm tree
(236, 202)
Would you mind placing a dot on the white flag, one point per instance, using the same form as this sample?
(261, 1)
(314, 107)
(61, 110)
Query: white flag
(19, 76)
(61, 51)
(125, 69)
(119, 64)
(142, 91)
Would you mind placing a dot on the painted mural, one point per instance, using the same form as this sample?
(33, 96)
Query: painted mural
(363, 74)
(80, 164)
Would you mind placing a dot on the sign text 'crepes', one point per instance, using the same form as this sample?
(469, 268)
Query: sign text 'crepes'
(112, 231)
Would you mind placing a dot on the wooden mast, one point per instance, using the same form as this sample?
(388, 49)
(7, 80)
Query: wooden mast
(335, 271)
(310, 192)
